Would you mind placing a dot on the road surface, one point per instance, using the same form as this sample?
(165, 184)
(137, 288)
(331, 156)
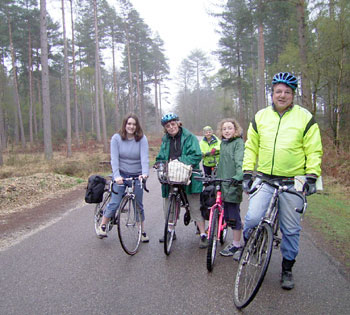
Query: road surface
(62, 268)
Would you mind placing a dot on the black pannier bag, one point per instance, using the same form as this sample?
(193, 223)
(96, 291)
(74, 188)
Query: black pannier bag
(208, 198)
(95, 188)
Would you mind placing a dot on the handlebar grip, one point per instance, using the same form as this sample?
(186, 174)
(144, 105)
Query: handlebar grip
(115, 192)
(144, 185)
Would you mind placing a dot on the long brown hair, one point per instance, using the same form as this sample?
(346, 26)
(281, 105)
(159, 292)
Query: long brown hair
(238, 128)
(138, 131)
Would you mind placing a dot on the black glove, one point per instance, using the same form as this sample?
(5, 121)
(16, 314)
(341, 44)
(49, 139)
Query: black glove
(234, 182)
(310, 185)
(247, 181)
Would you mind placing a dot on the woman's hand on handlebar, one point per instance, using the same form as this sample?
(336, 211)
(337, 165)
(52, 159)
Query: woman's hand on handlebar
(119, 180)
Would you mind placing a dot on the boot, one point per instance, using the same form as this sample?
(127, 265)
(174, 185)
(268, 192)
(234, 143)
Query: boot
(287, 281)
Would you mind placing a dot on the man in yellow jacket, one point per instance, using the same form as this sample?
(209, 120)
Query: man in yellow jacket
(210, 147)
(283, 141)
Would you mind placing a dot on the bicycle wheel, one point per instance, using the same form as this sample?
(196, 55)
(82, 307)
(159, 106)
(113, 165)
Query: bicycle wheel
(213, 240)
(99, 209)
(253, 265)
(170, 223)
(129, 225)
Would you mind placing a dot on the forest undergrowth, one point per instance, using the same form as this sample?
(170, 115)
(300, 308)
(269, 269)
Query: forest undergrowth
(26, 178)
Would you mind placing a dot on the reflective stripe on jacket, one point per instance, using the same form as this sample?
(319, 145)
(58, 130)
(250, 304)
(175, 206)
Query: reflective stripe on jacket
(286, 145)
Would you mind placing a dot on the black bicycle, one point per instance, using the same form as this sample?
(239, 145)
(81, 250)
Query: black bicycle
(256, 254)
(176, 175)
(127, 217)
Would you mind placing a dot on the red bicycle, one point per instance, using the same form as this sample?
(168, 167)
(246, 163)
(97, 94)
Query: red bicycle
(217, 229)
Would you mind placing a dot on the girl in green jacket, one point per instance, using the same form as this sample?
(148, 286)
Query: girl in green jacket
(230, 166)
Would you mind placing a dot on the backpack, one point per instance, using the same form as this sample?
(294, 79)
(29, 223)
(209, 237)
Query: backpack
(95, 189)
(207, 198)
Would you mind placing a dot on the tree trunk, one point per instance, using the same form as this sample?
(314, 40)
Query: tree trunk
(261, 67)
(305, 82)
(97, 65)
(75, 96)
(104, 128)
(141, 109)
(115, 87)
(15, 83)
(67, 87)
(156, 97)
(45, 81)
(131, 88)
(30, 75)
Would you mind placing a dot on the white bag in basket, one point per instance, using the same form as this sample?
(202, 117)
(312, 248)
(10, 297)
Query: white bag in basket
(179, 172)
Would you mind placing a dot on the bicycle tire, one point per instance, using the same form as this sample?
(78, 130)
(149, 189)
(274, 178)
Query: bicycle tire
(170, 223)
(253, 265)
(213, 240)
(99, 210)
(223, 235)
(129, 225)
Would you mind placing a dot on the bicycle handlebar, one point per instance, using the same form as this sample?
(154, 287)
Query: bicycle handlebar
(134, 178)
(208, 180)
(276, 183)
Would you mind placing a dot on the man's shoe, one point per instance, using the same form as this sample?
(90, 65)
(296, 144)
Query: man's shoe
(203, 242)
(287, 281)
(229, 250)
(144, 238)
(102, 231)
(161, 240)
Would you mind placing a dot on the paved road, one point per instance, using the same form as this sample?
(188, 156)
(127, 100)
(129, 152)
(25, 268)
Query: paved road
(64, 269)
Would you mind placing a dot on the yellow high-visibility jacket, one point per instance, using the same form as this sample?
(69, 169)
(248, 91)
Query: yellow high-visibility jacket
(286, 145)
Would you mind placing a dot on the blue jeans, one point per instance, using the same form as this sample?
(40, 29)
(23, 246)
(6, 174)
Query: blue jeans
(117, 198)
(289, 218)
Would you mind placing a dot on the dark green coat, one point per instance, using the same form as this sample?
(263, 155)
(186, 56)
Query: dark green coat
(230, 166)
(191, 155)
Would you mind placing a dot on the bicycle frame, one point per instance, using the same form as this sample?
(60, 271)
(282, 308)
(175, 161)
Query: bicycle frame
(180, 196)
(218, 205)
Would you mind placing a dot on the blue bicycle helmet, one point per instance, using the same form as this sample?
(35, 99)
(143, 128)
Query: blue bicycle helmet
(286, 78)
(168, 117)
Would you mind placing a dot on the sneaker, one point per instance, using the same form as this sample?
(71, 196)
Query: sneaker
(102, 231)
(287, 281)
(161, 240)
(144, 238)
(203, 241)
(229, 250)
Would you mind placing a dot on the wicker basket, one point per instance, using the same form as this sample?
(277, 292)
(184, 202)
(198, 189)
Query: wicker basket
(179, 173)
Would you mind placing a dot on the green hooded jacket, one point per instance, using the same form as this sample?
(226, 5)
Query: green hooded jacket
(230, 166)
(191, 155)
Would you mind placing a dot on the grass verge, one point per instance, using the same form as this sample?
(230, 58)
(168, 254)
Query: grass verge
(329, 215)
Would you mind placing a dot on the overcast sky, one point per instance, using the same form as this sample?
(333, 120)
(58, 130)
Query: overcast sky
(183, 25)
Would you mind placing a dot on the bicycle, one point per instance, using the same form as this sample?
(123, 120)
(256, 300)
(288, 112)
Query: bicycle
(127, 216)
(217, 229)
(255, 257)
(176, 179)
(100, 207)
